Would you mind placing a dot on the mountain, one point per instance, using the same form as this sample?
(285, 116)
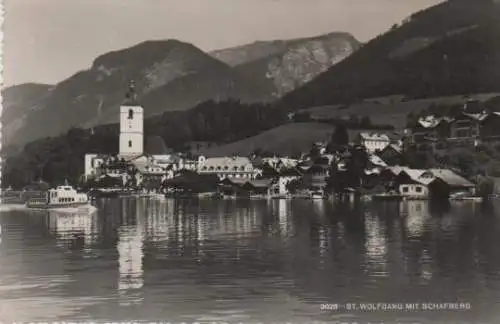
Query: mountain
(283, 65)
(169, 75)
(18, 102)
(451, 48)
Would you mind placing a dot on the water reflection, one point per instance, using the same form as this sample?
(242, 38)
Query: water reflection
(263, 261)
(130, 254)
(375, 247)
(130, 250)
(76, 229)
(416, 216)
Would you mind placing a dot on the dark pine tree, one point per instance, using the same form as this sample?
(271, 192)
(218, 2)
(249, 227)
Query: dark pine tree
(339, 139)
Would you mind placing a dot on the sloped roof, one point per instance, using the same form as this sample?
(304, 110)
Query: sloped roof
(425, 177)
(377, 160)
(429, 121)
(374, 136)
(478, 116)
(451, 178)
(394, 147)
(372, 171)
(235, 181)
(261, 183)
(397, 169)
(227, 161)
(421, 176)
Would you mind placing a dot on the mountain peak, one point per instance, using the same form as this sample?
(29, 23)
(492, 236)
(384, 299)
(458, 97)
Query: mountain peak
(152, 50)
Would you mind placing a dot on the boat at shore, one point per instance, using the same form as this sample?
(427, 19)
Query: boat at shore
(387, 196)
(60, 197)
(318, 195)
(464, 196)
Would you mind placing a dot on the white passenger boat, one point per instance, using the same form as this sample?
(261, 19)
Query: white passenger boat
(60, 197)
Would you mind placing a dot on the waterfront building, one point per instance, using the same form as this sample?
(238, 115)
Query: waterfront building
(227, 167)
(419, 184)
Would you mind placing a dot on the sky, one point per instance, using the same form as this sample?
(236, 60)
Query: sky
(47, 41)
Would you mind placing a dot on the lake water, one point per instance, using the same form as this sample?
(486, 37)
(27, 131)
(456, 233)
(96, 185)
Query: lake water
(250, 262)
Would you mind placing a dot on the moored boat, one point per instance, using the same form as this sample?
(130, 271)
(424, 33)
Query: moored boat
(464, 196)
(60, 197)
(315, 195)
(387, 196)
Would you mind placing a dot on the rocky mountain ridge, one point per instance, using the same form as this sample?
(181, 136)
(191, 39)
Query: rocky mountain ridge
(169, 75)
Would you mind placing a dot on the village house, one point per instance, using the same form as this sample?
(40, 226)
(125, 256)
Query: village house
(430, 132)
(490, 128)
(413, 184)
(286, 176)
(149, 174)
(227, 167)
(246, 187)
(466, 127)
(423, 184)
(392, 154)
(316, 176)
(280, 163)
(372, 142)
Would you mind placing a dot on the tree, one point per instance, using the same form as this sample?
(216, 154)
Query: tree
(314, 153)
(356, 166)
(340, 138)
(353, 120)
(295, 185)
(336, 180)
(302, 117)
(365, 122)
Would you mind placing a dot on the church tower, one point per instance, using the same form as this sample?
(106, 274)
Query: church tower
(131, 125)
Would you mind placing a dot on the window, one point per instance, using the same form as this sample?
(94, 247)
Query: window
(405, 189)
(418, 189)
(129, 143)
(130, 114)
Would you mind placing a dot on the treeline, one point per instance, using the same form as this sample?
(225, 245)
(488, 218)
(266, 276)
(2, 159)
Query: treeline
(353, 122)
(217, 122)
(58, 158)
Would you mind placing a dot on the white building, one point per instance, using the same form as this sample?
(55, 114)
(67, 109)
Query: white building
(131, 127)
(373, 141)
(132, 143)
(227, 167)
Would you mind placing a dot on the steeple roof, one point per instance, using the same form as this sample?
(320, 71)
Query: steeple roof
(131, 96)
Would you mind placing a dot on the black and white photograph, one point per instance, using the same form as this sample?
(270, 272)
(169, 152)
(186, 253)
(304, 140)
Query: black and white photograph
(250, 161)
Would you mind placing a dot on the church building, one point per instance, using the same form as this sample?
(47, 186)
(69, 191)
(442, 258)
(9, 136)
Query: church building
(131, 146)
